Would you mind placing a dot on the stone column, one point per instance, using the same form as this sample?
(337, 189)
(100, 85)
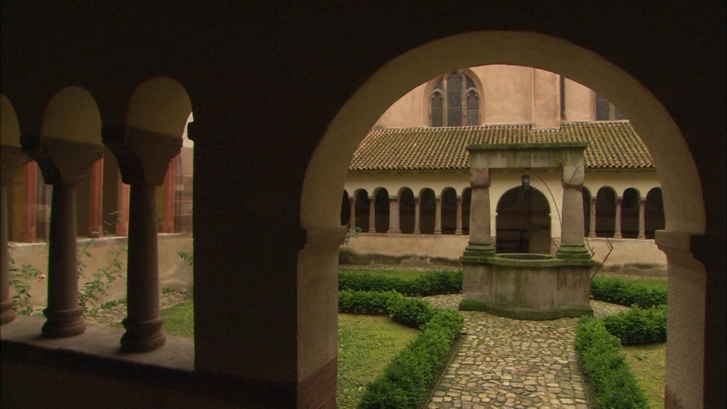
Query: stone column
(169, 191)
(143, 158)
(617, 227)
(458, 232)
(417, 216)
(12, 158)
(372, 214)
(438, 216)
(29, 233)
(63, 164)
(592, 227)
(95, 220)
(352, 216)
(122, 207)
(480, 243)
(572, 242)
(642, 221)
(394, 215)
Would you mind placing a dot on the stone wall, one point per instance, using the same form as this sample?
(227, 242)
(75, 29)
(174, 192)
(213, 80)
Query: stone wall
(629, 256)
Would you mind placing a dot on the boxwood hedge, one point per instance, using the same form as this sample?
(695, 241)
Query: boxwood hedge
(405, 383)
(625, 292)
(610, 379)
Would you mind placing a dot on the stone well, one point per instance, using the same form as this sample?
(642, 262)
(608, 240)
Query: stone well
(528, 286)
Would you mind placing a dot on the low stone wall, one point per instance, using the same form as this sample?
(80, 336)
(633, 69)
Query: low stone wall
(173, 271)
(628, 256)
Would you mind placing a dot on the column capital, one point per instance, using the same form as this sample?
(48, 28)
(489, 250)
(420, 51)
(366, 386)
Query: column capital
(572, 177)
(61, 161)
(479, 177)
(143, 155)
(11, 159)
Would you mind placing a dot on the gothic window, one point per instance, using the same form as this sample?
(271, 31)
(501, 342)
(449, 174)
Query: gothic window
(606, 111)
(454, 101)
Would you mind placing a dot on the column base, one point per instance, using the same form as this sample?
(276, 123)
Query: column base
(63, 323)
(7, 314)
(578, 252)
(143, 336)
(475, 253)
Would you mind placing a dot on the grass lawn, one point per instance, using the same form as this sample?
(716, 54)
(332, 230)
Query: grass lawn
(179, 320)
(366, 344)
(647, 364)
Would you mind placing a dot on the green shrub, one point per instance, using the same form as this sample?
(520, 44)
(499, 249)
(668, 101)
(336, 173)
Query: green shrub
(412, 312)
(429, 283)
(638, 326)
(406, 381)
(366, 302)
(409, 376)
(611, 381)
(624, 292)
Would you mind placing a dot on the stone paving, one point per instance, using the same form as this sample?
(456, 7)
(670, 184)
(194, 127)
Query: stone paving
(506, 363)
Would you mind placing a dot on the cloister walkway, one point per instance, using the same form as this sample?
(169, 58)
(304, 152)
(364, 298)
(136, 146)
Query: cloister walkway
(507, 363)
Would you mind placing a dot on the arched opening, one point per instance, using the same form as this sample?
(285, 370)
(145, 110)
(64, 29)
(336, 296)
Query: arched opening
(406, 210)
(653, 213)
(345, 209)
(427, 210)
(449, 211)
(523, 222)
(362, 210)
(381, 204)
(605, 212)
(630, 213)
(682, 190)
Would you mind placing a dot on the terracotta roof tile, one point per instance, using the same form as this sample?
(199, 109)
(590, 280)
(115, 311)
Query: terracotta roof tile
(611, 144)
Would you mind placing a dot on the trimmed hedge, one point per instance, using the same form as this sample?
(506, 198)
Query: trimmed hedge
(638, 326)
(624, 292)
(429, 283)
(405, 383)
(610, 379)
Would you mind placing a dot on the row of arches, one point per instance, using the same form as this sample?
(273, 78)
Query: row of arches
(519, 213)
(102, 197)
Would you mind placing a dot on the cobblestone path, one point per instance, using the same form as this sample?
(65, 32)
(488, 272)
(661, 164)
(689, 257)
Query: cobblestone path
(506, 363)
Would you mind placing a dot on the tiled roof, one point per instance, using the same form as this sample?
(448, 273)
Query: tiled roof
(611, 145)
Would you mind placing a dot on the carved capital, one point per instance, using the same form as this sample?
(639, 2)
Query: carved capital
(11, 158)
(61, 161)
(143, 156)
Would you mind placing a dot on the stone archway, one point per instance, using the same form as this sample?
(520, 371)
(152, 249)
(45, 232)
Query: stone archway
(523, 222)
(682, 190)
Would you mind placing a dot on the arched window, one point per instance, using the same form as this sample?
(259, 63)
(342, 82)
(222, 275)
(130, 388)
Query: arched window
(454, 101)
(606, 111)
